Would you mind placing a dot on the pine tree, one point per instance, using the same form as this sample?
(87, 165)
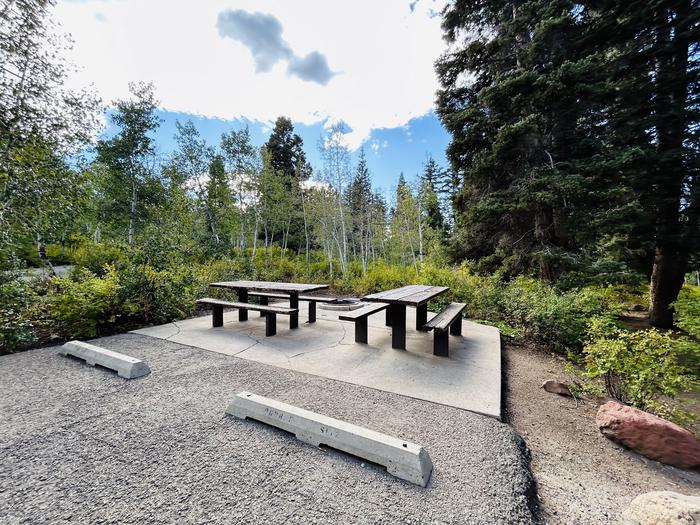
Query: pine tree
(655, 72)
(359, 198)
(286, 150)
(429, 181)
(575, 137)
(288, 159)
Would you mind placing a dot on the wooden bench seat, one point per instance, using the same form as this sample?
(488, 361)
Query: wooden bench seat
(449, 319)
(312, 299)
(359, 316)
(271, 312)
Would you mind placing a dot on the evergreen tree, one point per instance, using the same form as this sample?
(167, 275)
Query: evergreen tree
(359, 198)
(515, 142)
(575, 136)
(655, 71)
(287, 158)
(286, 150)
(429, 197)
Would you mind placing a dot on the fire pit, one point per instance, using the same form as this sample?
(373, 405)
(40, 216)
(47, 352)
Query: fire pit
(342, 304)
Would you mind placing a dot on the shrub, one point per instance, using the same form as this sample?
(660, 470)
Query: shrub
(688, 310)
(382, 276)
(162, 296)
(95, 257)
(642, 368)
(18, 306)
(87, 305)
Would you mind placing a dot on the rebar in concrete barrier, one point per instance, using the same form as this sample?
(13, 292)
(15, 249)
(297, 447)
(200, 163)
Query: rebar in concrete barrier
(125, 366)
(402, 459)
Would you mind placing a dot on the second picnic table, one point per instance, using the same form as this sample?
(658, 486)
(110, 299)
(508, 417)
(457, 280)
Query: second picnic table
(416, 295)
(293, 289)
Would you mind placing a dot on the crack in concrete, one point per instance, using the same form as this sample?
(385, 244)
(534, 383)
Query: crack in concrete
(247, 347)
(174, 323)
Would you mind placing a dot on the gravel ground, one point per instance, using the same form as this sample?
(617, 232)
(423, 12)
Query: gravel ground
(582, 477)
(81, 445)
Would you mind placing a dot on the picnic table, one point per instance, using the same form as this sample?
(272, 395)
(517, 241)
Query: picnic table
(416, 295)
(293, 289)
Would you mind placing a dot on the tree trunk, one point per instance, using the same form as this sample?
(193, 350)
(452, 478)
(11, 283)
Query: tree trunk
(306, 231)
(132, 213)
(666, 281)
(672, 242)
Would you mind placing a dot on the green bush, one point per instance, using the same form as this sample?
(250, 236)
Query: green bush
(87, 305)
(642, 368)
(95, 257)
(688, 310)
(381, 276)
(162, 296)
(18, 314)
(58, 254)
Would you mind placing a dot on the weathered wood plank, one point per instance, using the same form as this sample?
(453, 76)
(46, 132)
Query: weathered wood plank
(317, 298)
(362, 312)
(269, 285)
(248, 306)
(444, 319)
(424, 296)
(396, 293)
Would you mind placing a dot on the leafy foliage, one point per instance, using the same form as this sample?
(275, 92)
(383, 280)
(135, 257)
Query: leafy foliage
(643, 368)
(687, 309)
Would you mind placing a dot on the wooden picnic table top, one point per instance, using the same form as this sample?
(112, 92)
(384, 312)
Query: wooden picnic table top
(270, 286)
(412, 295)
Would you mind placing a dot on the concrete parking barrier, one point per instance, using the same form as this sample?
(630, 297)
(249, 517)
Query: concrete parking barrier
(125, 366)
(402, 459)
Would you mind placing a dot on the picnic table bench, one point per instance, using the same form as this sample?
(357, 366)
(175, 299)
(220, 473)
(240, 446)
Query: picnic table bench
(312, 300)
(242, 289)
(450, 318)
(360, 318)
(416, 295)
(218, 306)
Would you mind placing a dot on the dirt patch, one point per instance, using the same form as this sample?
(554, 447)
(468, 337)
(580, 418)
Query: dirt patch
(582, 477)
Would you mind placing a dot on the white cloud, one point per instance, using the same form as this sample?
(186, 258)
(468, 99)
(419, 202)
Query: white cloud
(383, 52)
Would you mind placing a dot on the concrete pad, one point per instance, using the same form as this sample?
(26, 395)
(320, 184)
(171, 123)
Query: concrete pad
(469, 379)
(126, 366)
(401, 458)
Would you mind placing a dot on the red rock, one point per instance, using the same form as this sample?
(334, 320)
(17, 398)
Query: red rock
(648, 435)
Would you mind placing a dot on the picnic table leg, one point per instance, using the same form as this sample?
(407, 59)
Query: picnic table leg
(263, 302)
(421, 316)
(242, 298)
(361, 330)
(270, 324)
(312, 311)
(217, 316)
(456, 327)
(294, 303)
(388, 316)
(398, 326)
(441, 343)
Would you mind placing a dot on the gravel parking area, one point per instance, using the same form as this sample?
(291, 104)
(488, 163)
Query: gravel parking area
(81, 445)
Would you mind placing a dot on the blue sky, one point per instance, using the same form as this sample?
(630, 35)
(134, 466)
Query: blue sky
(388, 151)
(222, 63)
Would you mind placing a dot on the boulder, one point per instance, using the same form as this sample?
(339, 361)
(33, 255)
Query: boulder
(663, 508)
(648, 435)
(555, 387)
